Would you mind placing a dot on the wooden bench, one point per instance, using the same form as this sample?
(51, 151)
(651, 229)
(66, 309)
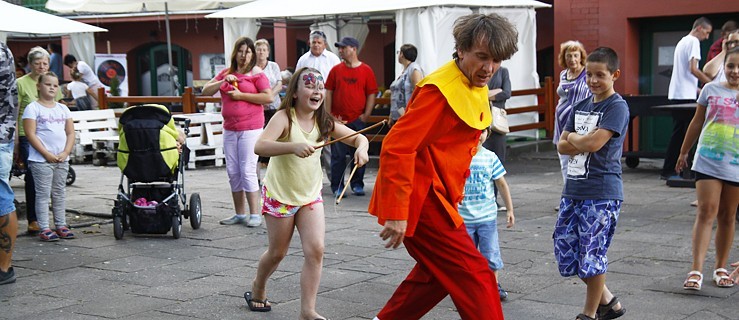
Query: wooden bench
(90, 125)
(205, 139)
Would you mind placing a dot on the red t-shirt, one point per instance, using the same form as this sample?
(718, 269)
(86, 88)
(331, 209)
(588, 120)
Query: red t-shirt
(239, 115)
(350, 87)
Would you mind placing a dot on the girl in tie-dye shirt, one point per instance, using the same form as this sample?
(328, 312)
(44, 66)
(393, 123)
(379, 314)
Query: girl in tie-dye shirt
(716, 165)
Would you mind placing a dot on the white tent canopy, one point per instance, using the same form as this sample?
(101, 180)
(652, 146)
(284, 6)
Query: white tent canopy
(427, 24)
(112, 6)
(18, 21)
(232, 28)
(310, 9)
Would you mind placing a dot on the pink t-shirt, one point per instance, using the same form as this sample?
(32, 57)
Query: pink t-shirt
(241, 115)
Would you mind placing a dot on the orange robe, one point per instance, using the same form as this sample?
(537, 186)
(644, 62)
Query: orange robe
(423, 166)
(431, 146)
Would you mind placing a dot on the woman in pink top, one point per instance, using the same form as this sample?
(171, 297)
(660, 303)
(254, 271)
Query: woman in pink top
(244, 89)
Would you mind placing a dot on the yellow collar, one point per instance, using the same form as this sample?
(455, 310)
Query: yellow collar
(470, 103)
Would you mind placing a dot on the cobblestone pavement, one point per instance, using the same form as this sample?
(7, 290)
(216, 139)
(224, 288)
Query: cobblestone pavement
(204, 274)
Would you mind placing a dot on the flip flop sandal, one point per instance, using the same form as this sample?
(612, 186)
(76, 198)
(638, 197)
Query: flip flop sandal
(717, 278)
(250, 302)
(606, 311)
(698, 283)
(583, 316)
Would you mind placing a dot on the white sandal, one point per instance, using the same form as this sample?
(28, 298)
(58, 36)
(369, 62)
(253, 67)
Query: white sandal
(717, 278)
(698, 283)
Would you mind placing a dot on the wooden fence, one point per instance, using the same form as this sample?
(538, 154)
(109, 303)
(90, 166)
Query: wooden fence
(544, 107)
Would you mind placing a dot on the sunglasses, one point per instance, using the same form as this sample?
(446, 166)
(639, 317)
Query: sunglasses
(318, 33)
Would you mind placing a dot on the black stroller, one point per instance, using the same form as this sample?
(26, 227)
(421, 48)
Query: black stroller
(148, 157)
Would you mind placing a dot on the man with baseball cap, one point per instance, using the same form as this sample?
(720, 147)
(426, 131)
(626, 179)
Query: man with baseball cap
(350, 96)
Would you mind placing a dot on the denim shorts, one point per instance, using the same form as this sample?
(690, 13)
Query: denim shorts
(6, 193)
(582, 235)
(485, 237)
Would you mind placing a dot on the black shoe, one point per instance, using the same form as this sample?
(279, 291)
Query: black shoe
(7, 277)
(358, 191)
(503, 294)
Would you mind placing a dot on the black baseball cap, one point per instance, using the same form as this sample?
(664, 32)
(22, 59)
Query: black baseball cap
(347, 42)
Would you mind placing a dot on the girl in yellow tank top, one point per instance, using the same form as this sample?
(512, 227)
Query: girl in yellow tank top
(292, 185)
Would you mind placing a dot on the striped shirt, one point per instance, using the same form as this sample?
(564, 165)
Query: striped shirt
(479, 204)
(570, 92)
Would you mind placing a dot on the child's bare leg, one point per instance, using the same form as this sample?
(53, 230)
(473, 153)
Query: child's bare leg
(595, 288)
(726, 222)
(279, 234)
(708, 192)
(311, 226)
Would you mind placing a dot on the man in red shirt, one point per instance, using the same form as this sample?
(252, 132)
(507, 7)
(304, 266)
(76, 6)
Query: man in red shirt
(423, 166)
(350, 97)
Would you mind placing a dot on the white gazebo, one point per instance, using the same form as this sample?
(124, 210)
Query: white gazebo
(21, 22)
(426, 24)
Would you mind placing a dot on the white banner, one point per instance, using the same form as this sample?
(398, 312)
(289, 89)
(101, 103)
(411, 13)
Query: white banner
(109, 67)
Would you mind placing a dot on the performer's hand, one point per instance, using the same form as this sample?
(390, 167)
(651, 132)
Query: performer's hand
(303, 150)
(395, 231)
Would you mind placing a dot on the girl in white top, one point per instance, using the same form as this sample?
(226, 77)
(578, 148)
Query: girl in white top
(81, 93)
(292, 186)
(50, 131)
(716, 166)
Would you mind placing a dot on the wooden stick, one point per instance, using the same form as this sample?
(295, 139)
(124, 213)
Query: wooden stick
(338, 200)
(351, 135)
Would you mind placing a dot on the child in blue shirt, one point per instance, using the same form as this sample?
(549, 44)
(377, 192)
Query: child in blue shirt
(591, 201)
(479, 209)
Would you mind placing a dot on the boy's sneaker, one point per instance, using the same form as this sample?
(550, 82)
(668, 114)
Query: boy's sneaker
(236, 219)
(48, 235)
(254, 220)
(33, 227)
(503, 294)
(8, 276)
(64, 233)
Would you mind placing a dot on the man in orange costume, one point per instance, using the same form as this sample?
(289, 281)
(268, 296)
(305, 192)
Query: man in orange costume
(423, 166)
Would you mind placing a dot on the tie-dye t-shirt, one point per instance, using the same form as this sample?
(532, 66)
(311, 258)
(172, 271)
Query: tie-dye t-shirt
(717, 154)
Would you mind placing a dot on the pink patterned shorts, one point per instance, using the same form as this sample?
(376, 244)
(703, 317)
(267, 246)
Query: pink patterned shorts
(278, 209)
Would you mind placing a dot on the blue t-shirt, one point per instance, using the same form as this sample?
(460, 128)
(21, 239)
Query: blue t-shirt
(479, 204)
(597, 175)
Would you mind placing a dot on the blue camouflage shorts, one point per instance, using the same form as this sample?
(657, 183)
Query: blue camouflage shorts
(582, 235)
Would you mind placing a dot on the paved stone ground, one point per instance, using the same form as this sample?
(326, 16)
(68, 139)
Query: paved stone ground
(204, 274)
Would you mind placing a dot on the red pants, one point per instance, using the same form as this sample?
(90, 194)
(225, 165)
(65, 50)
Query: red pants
(447, 262)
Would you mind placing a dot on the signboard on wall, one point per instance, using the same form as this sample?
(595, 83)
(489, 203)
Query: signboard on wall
(211, 64)
(109, 67)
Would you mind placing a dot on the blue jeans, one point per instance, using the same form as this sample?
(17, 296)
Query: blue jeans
(339, 152)
(30, 188)
(485, 237)
(6, 193)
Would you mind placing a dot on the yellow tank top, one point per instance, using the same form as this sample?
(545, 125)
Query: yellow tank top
(293, 180)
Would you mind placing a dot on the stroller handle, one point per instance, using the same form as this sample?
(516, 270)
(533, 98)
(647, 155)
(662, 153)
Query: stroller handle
(187, 123)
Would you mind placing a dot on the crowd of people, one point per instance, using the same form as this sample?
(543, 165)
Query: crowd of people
(442, 165)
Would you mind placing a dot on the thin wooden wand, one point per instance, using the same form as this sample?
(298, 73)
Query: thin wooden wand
(338, 200)
(351, 135)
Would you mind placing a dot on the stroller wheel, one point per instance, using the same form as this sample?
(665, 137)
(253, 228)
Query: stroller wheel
(196, 211)
(117, 228)
(176, 226)
(71, 176)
